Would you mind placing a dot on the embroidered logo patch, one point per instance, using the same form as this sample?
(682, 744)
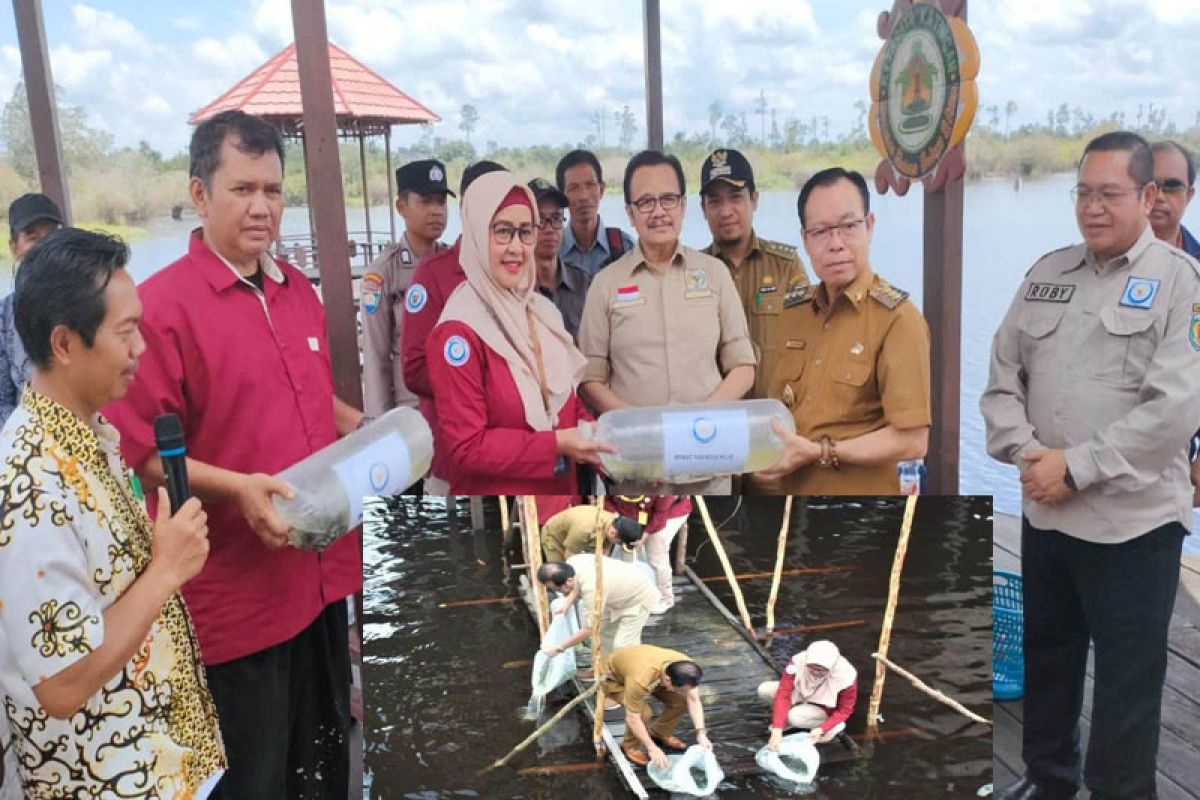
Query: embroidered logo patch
(1050, 292)
(696, 280)
(414, 301)
(1194, 329)
(372, 291)
(1139, 292)
(457, 351)
(627, 294)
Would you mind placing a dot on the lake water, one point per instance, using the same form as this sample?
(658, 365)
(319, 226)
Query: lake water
(1005, 231)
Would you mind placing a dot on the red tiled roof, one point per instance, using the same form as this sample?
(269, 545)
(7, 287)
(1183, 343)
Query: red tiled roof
(359, 93)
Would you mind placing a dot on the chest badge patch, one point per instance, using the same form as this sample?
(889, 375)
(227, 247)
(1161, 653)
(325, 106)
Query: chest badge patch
(857, 349)
(1194, 328)
(456, 351)
(414, 301)
(1139, 292)
(628, 294)
(1050, 292)
(696, 280)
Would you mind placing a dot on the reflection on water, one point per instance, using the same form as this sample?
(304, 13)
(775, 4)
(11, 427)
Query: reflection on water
(444, 700)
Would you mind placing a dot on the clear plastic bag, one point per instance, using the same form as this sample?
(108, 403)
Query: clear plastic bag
(681, 772)
(797, 760)
(550, 673)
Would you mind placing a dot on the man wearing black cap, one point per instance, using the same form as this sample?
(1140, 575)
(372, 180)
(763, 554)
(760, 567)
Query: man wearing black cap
(421, 201)
(435, 278)
(565, 284)
(31, 217)
(764, 271)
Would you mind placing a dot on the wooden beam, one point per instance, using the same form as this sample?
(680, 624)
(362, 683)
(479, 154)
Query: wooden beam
(325, 196)
(654, 96)
(362, 165)
(43, 112)
(391, 180)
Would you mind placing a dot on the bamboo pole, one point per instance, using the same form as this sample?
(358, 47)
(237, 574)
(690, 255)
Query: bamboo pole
(550, 723)
(885, 635)
(503, 513)
(597, 647)
(733, 583)
(934, 693)
(779, 551)
(680, 548)
(531, 536)
(749, 576)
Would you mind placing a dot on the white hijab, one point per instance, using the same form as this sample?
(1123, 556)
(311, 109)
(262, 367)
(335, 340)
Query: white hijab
(823, 692)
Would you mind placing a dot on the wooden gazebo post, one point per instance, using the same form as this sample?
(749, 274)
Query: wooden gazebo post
(387, 151)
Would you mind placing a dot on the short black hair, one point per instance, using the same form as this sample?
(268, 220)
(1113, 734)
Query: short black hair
(556, 572)
(628, 531)
(474, 171)
(1171, 144)
(252, 135)
(652, 158)
(1141, 158)
(684, 673)
(574, 159)
(828, 177)
(61, 281)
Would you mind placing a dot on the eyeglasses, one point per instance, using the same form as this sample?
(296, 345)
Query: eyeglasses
(844, 229)
(553, 221)
(503, 233)
(1172, 186)
(667, 202)
(1107, 197)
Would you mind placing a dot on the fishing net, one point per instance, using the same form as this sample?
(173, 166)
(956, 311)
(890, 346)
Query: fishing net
(696, 772)
(550, 673)
(797, 759)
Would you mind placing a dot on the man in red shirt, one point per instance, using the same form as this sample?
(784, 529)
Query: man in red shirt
(435, 279)
(236, 348)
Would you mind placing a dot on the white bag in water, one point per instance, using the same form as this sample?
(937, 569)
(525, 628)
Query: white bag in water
(797, 759)
(550, 673)
(678, 776)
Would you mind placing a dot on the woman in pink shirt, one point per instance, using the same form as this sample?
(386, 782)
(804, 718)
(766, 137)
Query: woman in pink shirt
(816, 692)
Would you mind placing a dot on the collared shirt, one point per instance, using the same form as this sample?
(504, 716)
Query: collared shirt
(435, 279)
(849, 368)
(663, 338)
(73, 540)
(595, 257)
(573, 530)
(628, 587)
(1102, 360)
(636, 672)
(248, 374)
(569, 294)
(769, 270)
(15, 367)
(381, 299)
(1189, 243)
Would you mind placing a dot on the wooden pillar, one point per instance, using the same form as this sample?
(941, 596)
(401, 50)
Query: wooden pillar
(654, 96)
(43, 112)
(477, 519)
(362, 163)
(325, 195)
(391, 179)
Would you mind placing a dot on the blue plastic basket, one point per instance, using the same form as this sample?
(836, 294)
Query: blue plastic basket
(1008, 660)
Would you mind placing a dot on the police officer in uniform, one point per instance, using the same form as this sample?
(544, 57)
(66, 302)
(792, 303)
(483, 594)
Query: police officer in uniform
(763, 270)
(1092, 391)
(853, 357)
(421, 201)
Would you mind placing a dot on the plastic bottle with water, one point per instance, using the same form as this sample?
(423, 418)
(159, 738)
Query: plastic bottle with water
(911, 474)
(688, 443)
(384, 457)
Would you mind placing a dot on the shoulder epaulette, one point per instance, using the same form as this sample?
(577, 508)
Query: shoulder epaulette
(1053, 253)
(799, 294)
(887, 295)
(779, 249)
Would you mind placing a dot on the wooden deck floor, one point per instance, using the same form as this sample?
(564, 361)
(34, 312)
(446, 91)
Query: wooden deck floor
(1179, 746)
(703, 629)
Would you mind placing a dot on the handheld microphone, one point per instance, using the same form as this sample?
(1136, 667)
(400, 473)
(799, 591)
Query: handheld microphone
(168, 434)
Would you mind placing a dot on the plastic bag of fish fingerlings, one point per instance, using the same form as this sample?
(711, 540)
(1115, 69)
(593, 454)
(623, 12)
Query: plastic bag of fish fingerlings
(681, 772)
(797, 759)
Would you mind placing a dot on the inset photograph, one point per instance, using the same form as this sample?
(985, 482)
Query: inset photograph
(736, 647)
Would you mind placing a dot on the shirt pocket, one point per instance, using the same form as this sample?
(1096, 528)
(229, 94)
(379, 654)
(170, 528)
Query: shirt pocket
(784, 382)
(1126, 345)
(851, 387)
(1037, 341)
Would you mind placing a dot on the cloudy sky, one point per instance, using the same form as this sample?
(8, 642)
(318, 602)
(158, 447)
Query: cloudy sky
(538, 71)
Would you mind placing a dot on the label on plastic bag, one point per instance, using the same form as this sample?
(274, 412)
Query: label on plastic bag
(705, 442)
(381, 468)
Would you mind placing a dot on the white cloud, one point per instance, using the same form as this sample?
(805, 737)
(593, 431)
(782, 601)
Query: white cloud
(105, 28)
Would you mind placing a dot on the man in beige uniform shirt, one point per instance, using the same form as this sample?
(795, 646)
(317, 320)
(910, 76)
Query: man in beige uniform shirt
(572, 531)
(1092, 393)
(663, 324)
(421, 202)
(763, 271)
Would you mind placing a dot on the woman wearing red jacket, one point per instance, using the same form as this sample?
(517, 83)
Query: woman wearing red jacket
(502, 365)
(817, 693)
(661, 516)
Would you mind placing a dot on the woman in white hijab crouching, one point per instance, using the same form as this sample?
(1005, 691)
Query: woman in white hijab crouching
(816, 693)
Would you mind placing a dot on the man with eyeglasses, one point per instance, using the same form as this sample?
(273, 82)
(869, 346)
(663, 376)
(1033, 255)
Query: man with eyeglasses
(853, 365)
(1095, 372)
(764, 271)
(587, 243)
(663, 324)
(562, 283)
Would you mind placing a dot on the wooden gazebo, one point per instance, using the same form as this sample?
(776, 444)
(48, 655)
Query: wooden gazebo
(365, 105)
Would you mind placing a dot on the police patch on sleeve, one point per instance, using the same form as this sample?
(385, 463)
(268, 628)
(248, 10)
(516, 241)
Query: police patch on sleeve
(1139, 292)
(1194, 327)
(456, 351)
(414, 301)
(371, 292)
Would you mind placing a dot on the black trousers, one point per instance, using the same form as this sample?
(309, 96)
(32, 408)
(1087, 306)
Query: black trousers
(285, 716)
(1120, 597)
